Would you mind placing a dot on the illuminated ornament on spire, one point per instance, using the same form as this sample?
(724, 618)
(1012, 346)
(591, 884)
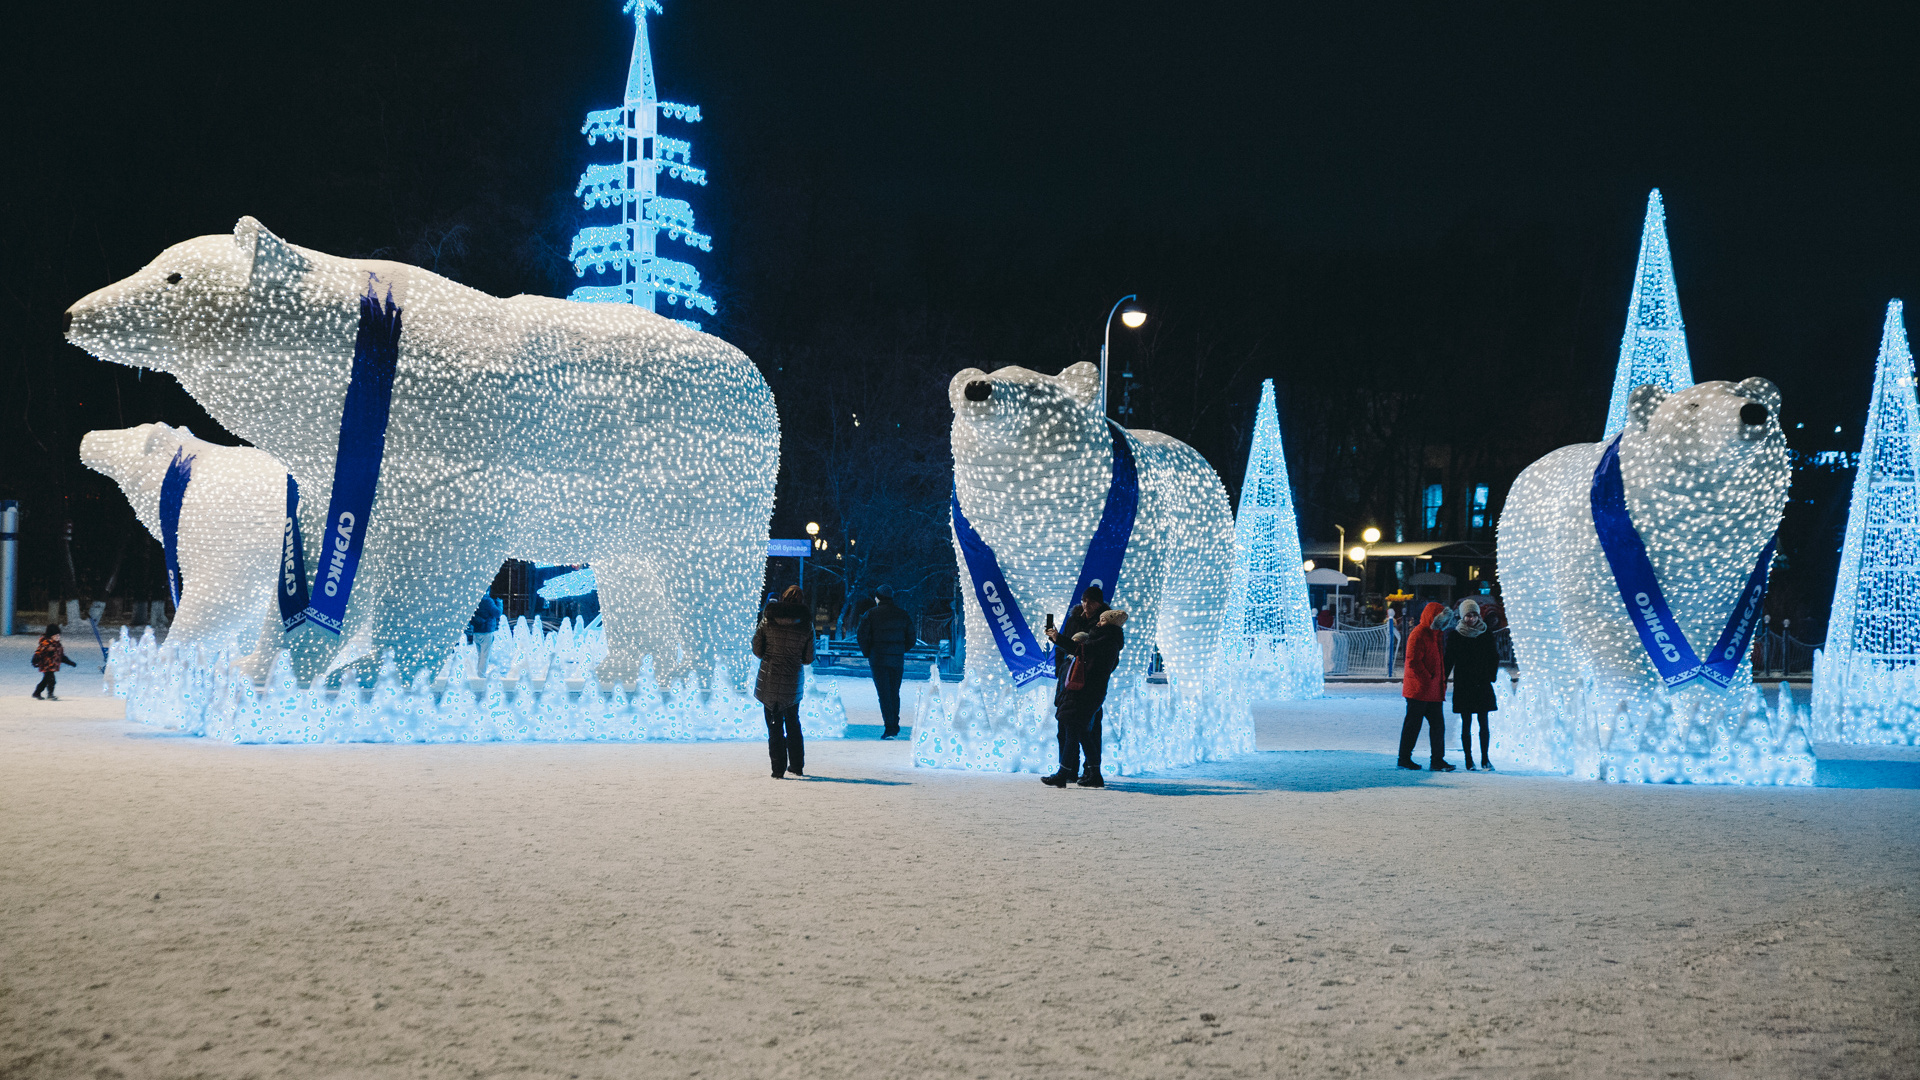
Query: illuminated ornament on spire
(623, 256)
(1864, 687)
(1269, 625)
(1654, 348)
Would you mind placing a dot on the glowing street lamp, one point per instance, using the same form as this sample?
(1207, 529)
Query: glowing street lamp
(1133, 319)
(1358, 554)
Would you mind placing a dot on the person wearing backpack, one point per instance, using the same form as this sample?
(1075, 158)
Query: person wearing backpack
(47, 658)
(1094, 654)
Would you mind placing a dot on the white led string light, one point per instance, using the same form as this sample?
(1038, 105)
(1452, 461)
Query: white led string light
(1705, 490)
(1032, 468)
(1866, 682)
(1269, 624)
(1653, 350)
(525, 428)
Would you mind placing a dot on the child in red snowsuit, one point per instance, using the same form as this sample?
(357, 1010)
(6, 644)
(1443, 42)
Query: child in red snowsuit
(47, 658)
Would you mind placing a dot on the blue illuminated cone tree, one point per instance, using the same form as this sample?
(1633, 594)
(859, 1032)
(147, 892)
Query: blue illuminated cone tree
(1654, 347)
(625, 252)
(1269, 626)
(1867, 677)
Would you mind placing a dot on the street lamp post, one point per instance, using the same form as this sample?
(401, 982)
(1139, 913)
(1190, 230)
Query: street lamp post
(1132, 320)
(1343, 571)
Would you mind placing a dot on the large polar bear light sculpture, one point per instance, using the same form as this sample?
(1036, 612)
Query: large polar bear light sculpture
(1703, 477)
(1033, 462)
(524, 428)
(223, 529)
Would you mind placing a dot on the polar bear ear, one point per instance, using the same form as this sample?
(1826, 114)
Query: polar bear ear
(1641, 404)
(270, 261)
(1082, 383)
(1760, 390)
(160, 438)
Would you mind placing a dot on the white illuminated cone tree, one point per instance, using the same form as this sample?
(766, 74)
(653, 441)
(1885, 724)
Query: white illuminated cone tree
(1269, 625)
(626, 251)
(1867, 681)
(1654, 347)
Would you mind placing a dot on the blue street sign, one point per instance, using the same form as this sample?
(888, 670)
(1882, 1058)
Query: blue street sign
(789, 549)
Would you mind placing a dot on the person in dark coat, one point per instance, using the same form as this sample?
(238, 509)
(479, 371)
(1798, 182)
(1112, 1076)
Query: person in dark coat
(885, 634)
(47, 658)
(1425, 688)
(784, 643)
(1080, 710)
(1473, 662)
(1081, 619)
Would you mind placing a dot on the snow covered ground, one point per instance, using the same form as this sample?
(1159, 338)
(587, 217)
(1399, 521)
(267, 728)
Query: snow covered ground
(170, 907)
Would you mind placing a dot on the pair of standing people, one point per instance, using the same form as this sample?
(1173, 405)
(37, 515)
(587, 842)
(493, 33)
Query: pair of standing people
(1089, 640)
(1457, 644)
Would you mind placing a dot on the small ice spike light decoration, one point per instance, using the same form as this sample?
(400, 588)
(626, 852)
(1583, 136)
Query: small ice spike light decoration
(1269, 626)
(526, 428)
(231, 519)
(627, 250)
(1866, 682)
(538, 686)
(1032, 464)
(1704, 473)
(1654, 348)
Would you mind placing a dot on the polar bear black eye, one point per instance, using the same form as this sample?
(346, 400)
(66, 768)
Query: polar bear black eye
(1753, 413)
(173, 279)
(979, 390)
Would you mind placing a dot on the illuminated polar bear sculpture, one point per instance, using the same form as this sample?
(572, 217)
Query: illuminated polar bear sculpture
(232, 515)
(1704, 473)
(524, 428)
(1033, 461)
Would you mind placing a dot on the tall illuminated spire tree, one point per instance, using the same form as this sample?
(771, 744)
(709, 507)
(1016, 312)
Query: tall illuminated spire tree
(1865, 682)
(1269, 625)
(627, 267)
(1654, 348)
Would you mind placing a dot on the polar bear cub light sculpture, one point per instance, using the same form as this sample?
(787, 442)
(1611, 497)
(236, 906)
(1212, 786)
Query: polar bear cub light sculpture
(1704, 473)
(232, 514)
(525, 428)
(1033, 461)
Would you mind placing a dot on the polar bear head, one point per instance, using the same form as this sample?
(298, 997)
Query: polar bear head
(1707, 433)
(208, 305)
(132, 455)
(1014, 409)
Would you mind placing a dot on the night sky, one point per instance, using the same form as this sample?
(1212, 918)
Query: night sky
(1011, 167)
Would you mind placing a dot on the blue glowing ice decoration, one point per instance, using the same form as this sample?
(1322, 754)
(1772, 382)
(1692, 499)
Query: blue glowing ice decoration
(538, 686)
(1654, 347)
(626, 251)
(1269, 626)
(1866, 678)
(578, 583)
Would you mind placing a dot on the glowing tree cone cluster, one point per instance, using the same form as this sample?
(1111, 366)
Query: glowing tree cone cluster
(1269, 626)
(625, 252)
(1654, 348)
(1866, 683)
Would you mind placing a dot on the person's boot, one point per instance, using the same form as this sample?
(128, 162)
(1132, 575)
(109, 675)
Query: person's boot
(1408, 763)
(1469, 756)
(1092, 779)
(1058, 779)
(1440, 765)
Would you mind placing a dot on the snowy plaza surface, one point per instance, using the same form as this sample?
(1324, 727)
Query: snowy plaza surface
(173, 907)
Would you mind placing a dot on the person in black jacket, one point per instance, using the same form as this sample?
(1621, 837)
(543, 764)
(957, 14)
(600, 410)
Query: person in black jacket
(885, 635)
(1081, 619)
(1080, 710)
(784, 643)
(1473, 662)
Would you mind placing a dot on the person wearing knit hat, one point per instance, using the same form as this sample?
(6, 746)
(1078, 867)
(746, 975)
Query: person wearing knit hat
(1473, 662)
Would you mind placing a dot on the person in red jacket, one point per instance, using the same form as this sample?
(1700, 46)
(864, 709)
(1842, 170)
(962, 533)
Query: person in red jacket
(1425, 688)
